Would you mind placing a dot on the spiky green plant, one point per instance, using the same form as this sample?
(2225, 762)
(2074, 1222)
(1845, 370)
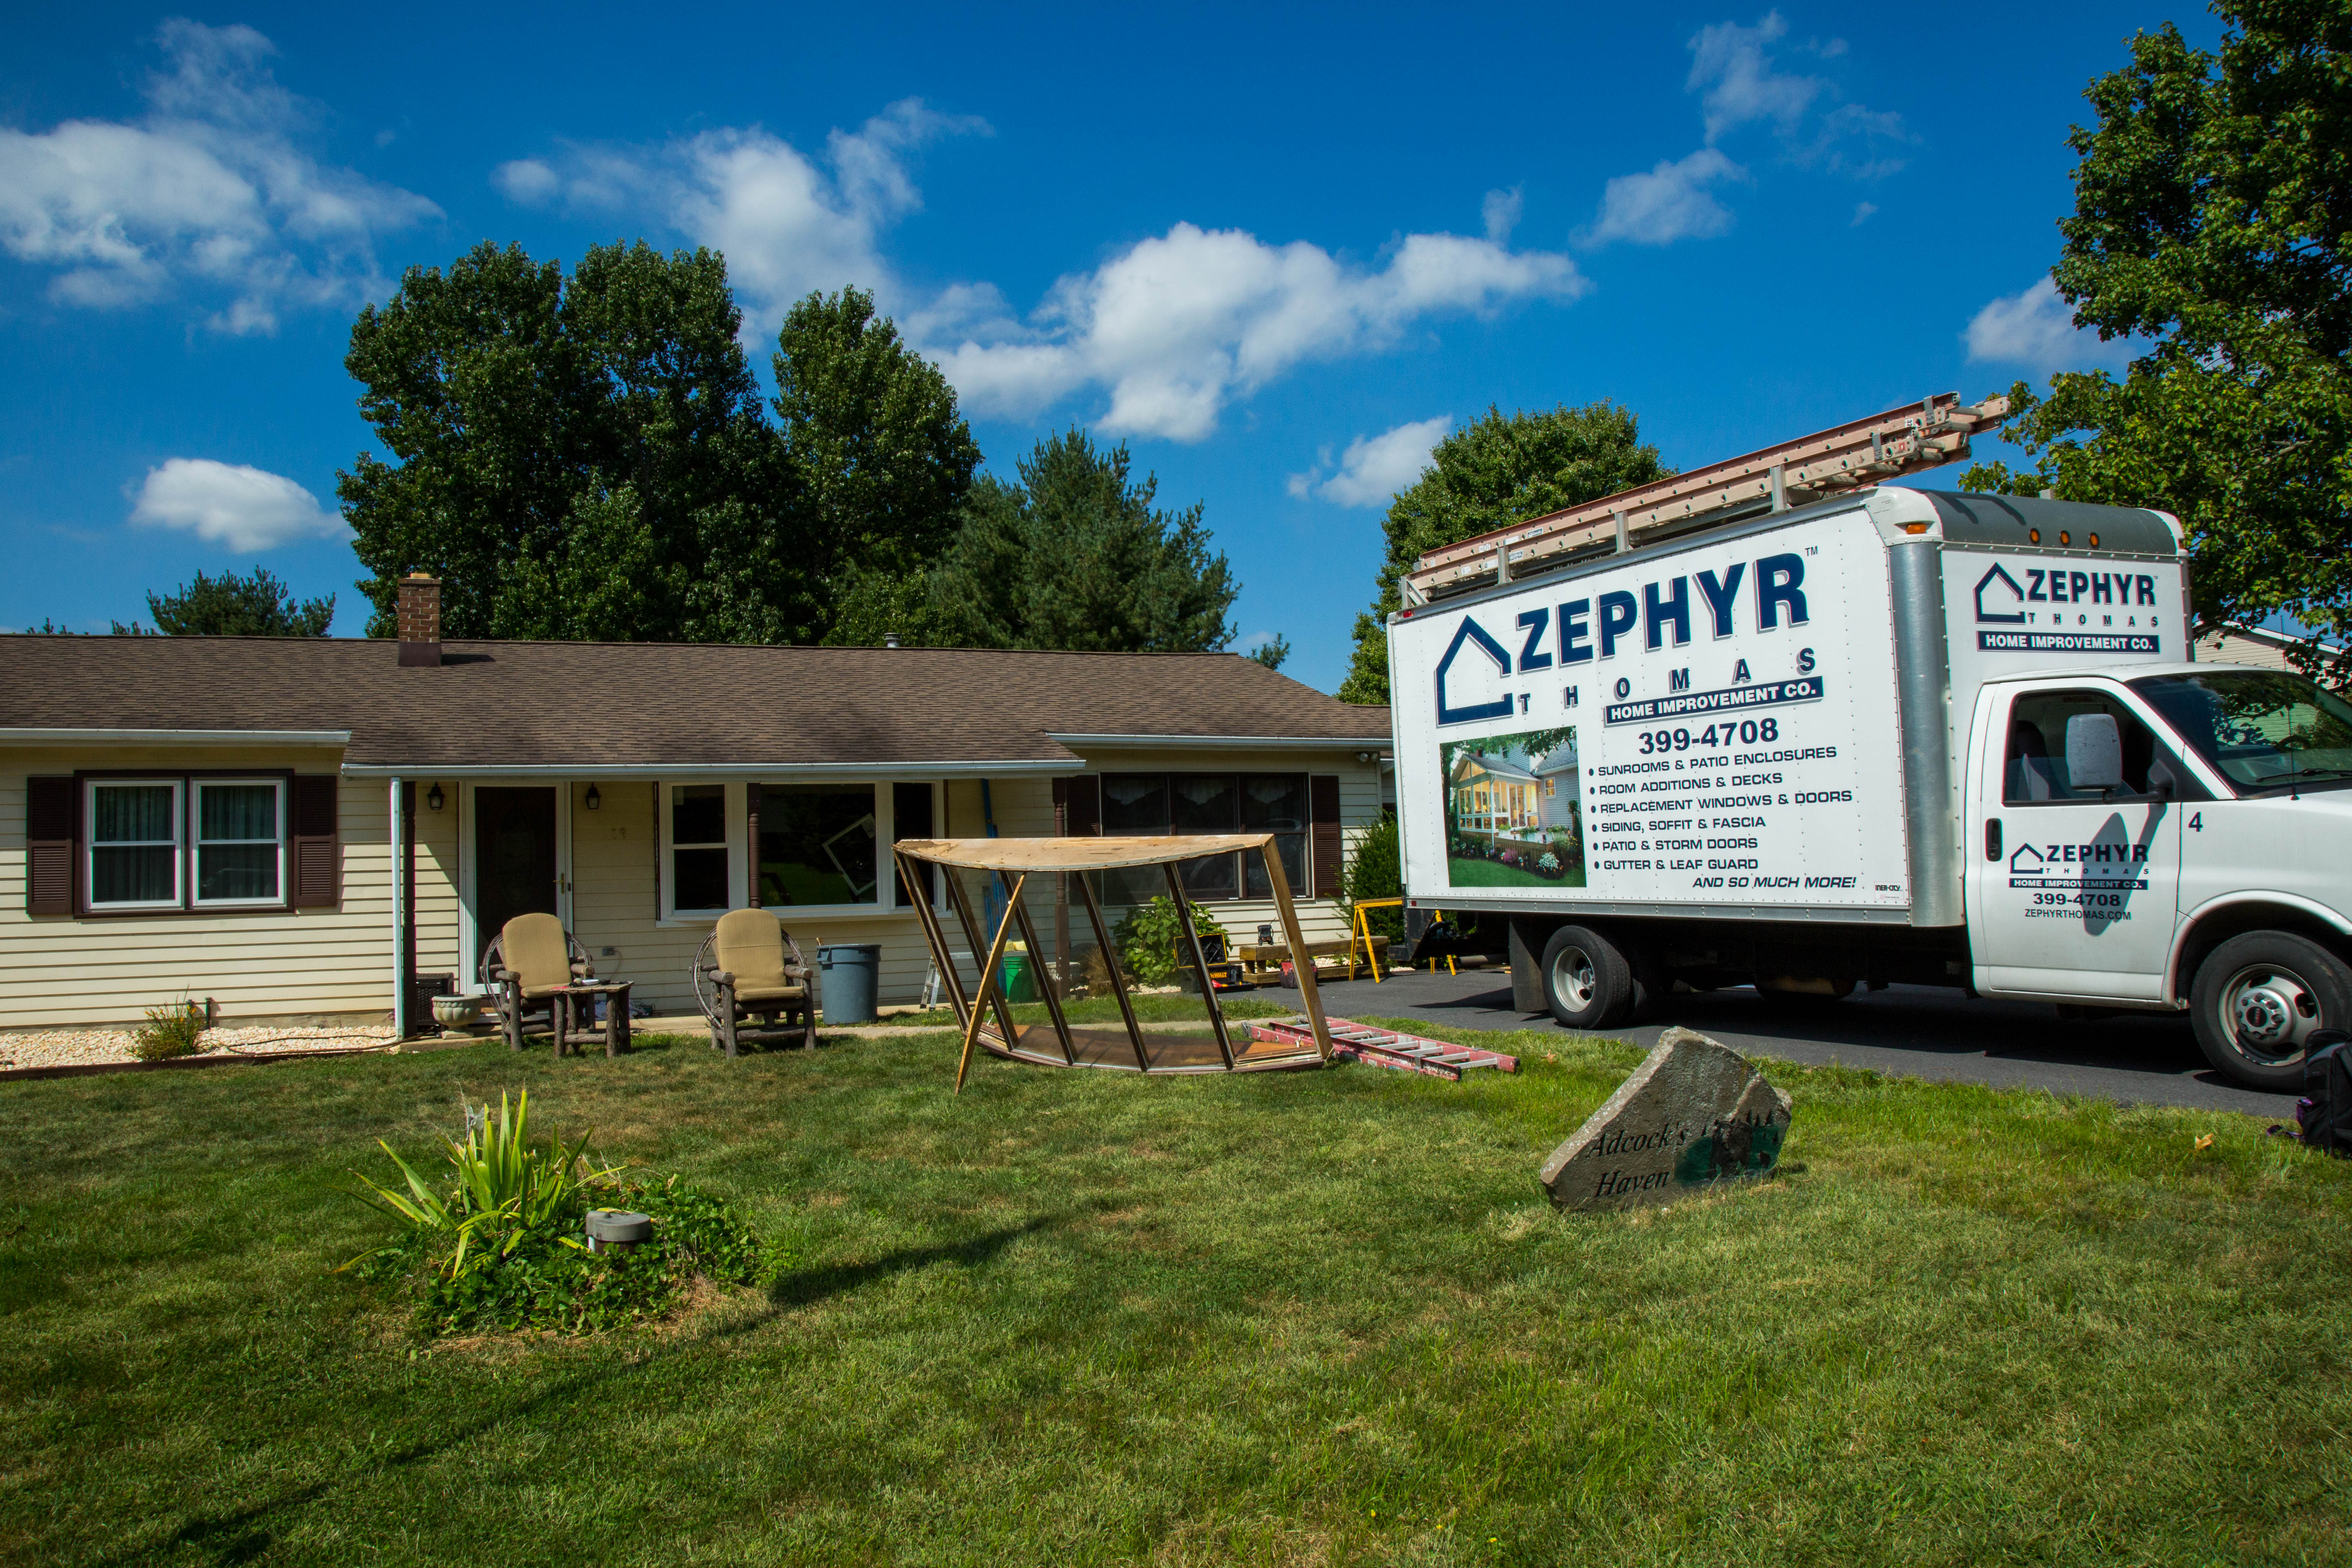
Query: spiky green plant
(502, 1189)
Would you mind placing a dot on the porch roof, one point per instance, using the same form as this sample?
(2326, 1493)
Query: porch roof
(604, 708)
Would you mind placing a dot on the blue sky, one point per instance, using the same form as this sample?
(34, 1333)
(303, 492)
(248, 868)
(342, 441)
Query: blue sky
(1277, 250)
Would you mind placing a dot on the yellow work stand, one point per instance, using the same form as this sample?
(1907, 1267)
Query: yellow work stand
(1364, 933)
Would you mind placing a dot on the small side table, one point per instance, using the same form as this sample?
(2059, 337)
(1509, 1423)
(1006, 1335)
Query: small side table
(573, 1004)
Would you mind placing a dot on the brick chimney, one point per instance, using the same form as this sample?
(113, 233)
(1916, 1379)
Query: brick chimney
(419, 616)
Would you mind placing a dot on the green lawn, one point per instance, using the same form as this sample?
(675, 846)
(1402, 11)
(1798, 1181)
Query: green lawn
(1080, 1318)
(1472, 872)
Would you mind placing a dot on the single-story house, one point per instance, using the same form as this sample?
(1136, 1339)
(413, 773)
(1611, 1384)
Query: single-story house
(1492, 794)
(303, 828)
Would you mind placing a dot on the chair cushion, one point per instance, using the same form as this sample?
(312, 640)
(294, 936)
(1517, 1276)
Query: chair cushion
(749, 945)
(746, 995)
(533, 946)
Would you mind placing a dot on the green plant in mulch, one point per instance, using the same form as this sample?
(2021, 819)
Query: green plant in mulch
(1148, 937)
(175, 1029)
(498, 1244)
(1376, 872)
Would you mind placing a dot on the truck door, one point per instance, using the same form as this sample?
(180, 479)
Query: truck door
(2072, 891)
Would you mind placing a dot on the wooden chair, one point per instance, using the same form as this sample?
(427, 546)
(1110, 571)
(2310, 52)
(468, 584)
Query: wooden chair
(750, 968)
(525, 963)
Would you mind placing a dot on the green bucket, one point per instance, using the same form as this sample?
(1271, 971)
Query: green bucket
(1020, 985)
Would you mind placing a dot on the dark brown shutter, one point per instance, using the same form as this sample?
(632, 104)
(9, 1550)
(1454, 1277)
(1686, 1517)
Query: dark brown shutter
(1082, 810)
(752, 832)
(1323, 812)
(317, 851)
(49, 812)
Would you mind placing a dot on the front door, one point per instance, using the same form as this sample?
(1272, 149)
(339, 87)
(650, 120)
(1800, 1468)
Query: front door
(514, 860)
(2074, 892)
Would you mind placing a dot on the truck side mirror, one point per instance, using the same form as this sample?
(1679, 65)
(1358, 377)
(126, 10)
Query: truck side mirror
(2095, 753)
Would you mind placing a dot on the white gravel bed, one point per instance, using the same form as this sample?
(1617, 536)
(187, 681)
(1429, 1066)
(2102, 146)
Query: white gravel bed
(77, 1048)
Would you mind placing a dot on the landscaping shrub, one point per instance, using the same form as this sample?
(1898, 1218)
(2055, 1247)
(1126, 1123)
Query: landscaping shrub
(1376, 872)
(173, 1031)
(1147, 936)
(500, 1244)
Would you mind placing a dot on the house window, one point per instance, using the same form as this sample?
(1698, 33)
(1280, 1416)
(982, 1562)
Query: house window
(134, 844)
(240, 841)
(1184, 804)
(817, 844)
(698, 852)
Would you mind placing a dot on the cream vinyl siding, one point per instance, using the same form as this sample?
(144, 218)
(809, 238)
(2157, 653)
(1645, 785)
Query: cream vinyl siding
(613, 902)
(265, 963)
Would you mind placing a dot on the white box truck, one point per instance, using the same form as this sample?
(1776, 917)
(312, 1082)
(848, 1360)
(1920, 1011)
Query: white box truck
(1899, 736)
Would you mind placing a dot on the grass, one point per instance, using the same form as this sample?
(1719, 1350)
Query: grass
(1471, 872)
(1079, 1318)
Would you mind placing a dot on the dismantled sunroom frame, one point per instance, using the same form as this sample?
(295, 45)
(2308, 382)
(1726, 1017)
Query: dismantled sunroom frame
(987, 1017)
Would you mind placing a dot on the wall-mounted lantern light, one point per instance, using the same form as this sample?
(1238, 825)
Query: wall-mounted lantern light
(593, 800)
(433, 799)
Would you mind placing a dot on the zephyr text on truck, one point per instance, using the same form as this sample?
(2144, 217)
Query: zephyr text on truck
(1709, 733)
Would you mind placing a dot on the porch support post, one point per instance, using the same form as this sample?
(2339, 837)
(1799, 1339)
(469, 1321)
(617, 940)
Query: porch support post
(395, 840)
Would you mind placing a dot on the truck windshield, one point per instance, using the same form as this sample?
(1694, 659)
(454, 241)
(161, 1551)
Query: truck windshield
(2264, 729)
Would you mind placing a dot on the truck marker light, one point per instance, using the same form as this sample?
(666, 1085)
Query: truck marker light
(2032, 536)
(1915, 528)
(2095, 542)
(2063, 539)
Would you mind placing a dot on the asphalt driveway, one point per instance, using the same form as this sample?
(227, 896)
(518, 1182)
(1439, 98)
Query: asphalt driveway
(2143, 1058)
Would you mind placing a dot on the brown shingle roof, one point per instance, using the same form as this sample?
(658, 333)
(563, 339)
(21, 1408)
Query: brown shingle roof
(536, 704)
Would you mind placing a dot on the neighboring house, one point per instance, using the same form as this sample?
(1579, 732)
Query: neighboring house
(1492, 794)
(300, 827)
(2253, 646)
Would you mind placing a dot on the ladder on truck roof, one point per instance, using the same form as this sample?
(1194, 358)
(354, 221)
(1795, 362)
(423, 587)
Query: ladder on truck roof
(1918, 436)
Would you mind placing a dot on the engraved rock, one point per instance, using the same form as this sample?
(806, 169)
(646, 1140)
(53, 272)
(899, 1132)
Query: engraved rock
(1693, 1113)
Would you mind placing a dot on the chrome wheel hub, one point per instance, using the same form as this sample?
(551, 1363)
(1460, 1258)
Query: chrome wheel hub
(1573, 980)
(2270, 1012)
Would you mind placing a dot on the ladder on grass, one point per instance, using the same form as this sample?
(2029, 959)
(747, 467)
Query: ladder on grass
(1383, 1047)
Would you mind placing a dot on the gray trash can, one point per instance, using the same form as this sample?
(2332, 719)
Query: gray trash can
(847, 982)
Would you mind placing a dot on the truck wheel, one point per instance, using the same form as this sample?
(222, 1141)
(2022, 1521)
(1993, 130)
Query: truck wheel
(1587, 982)
(2259, 997)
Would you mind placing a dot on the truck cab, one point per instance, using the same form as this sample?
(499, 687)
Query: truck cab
(2166, 837)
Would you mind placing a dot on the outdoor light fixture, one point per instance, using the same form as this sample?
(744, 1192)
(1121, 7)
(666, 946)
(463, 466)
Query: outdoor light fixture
(594, 799)
(433, 799)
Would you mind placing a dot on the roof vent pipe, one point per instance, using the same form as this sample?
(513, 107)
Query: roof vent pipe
(418, 615)
(890, 640)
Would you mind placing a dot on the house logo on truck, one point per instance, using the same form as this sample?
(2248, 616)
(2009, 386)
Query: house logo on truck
(2002, 602)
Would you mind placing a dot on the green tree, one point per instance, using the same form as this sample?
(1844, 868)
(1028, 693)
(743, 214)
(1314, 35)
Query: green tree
(229, 605)
(1273, 651)
(879, 452)
(580, 459)
(1076, 556)
(2212, 226)
(1496, 472)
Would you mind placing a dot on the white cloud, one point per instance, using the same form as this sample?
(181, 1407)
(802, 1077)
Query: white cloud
(209, 185)
(1501, 210)
(2033, 327)
(787, 223)
(1172, 328)
(1374, 468)
(1728, 63)
(1175, 327)
(1863, 212)
(1671, 202)
(244, 507)
(1741, 84)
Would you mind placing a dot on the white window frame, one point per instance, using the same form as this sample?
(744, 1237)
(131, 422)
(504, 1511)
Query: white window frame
(732, 816)
(197, 842)
(178, 841)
